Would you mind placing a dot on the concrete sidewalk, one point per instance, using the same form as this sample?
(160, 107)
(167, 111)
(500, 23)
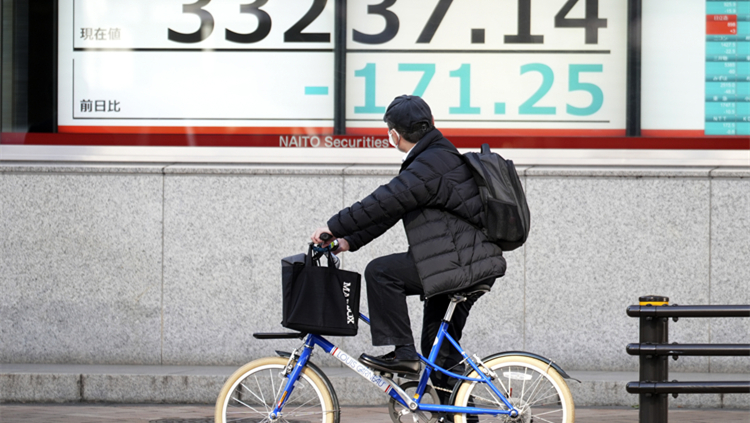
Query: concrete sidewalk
(41, 383)
(122, 413)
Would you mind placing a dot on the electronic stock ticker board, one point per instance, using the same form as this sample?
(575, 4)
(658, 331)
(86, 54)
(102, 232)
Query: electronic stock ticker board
(485, 67)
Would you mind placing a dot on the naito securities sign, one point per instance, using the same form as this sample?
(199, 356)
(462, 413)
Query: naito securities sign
(331, 141)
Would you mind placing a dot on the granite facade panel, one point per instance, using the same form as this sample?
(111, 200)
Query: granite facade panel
(80, 266)
(224, 237)
(596, 245)
(126, 265)
(730, 266)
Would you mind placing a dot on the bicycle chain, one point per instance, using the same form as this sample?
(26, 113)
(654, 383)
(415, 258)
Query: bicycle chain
(450, 391)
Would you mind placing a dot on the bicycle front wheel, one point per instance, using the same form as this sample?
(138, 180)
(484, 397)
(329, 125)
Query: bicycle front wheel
(534, 388)
(250, 394)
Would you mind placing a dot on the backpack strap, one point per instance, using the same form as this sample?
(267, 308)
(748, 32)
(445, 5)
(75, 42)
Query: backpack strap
(479, 180)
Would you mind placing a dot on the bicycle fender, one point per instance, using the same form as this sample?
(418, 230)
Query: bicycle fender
(322, 376)
(532, 355)
(507, 353)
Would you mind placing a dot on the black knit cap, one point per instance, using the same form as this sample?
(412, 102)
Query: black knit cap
(407, 110)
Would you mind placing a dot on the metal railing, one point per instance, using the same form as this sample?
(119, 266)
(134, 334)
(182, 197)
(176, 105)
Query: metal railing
(654, 350)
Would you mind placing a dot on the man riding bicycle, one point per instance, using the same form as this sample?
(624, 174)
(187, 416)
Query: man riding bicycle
(436, 197)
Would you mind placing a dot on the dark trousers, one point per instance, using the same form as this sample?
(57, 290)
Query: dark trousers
(390, 279)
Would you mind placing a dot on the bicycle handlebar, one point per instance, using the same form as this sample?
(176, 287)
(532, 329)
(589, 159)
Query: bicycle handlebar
(329, 248)
(333, 246)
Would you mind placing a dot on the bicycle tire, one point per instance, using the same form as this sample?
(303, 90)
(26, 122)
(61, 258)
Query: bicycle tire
(237, 401)
(513, 372)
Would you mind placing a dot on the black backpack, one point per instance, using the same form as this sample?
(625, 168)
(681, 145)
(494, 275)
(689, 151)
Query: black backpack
(506, 213)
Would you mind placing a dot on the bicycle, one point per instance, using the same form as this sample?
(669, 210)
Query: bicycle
(513, 386)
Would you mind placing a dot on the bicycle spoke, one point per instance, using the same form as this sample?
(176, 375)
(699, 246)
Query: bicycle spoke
(510, 370)
(507, 391)
(244, 412)
(240, 419)
(543, 419)
(260, 390)
(548, 412)
(535, 402)
(311, 413)
(540, 396)
(265, 419)
(302, 405)
(257, 397)
(488, 401)
(496, 400)
(532, 397)
(535, 394)
(538, 382)
(273, 388)
(248, 406)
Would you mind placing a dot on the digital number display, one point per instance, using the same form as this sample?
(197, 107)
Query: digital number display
(696, 68)
(727, 68)
(266, 66)
(492, 67)
(225, 66)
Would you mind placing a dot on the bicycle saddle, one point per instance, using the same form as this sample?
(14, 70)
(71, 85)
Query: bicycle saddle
(474, 291)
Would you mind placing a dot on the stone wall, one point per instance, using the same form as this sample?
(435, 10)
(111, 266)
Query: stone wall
(180, 264)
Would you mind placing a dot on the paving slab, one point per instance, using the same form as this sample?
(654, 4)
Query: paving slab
(48, 383)
(121, 413)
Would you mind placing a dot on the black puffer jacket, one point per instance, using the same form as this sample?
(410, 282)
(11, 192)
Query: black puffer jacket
(436, 196)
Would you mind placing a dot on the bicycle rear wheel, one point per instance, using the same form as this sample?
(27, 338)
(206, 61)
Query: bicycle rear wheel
(250, 394)
(531, 385)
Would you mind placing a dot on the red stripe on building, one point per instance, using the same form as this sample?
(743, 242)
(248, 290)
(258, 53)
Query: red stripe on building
(188, 130)
(659, 140)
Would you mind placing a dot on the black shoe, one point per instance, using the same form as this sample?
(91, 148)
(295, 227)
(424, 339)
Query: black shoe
(389, 363)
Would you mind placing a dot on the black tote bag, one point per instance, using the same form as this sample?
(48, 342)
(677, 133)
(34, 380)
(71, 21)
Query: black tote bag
(318, 299)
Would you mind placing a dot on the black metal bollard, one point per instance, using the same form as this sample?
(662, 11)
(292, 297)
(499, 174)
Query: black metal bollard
(653, 368)
(654, 350)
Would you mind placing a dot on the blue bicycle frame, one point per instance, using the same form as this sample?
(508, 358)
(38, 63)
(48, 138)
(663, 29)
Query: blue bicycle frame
(390, 387)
